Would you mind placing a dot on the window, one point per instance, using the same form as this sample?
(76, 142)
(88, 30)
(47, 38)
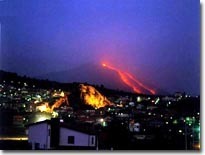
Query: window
(37, 146)
(71, 140)
(92, 140)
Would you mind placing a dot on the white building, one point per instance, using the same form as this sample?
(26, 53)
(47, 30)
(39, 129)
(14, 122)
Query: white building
(134, 127)
(52, 134)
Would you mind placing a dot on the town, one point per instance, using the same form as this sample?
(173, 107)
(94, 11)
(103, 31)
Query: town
(42, 114)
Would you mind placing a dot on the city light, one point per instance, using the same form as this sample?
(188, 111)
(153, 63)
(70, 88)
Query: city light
(139, 99)
(101, 120)
(175, 122)
(14, 138)
(197, 146)
(61, 120)
(157, 100)
(42, 118)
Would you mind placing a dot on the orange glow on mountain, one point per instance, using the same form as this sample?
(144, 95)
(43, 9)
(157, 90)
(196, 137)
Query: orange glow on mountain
(123, 77)
(104, 65)
(129, 80)
(44, 108)
(59, 102)
(49, 109)
(92, 97)
(141, 84)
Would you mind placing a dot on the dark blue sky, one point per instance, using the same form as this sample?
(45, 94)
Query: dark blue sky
(155, 39)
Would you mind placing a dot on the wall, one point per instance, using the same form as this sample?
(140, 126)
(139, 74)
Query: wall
(81, 139)
(39, 134)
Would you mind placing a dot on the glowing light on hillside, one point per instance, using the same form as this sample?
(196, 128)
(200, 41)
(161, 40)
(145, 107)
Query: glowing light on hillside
(92, 97)
(44, 108)
(50, 109)
(104, 65)
(141, 84)
(62, 94)
(129, 80)
(123, 77)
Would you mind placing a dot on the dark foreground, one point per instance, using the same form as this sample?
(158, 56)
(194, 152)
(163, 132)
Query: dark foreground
(145, 145)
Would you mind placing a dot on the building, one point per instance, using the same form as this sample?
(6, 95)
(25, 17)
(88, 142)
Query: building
(134, 127)
(53, 134)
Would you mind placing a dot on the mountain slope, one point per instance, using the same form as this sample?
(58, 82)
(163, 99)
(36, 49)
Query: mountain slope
(90, 73)
(94, 74)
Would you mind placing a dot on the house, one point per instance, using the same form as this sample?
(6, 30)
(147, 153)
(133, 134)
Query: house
(53, 134)
(134, 127)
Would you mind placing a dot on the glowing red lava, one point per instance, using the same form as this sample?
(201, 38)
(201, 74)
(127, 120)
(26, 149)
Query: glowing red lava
(129, 80)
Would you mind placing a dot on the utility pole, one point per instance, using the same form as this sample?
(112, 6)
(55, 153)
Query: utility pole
(185, 136)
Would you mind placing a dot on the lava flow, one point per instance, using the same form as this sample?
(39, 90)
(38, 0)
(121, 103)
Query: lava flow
(123, 78)
(141, 84)
(129, 80)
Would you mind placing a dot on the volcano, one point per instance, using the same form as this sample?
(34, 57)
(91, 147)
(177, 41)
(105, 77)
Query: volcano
(94, 74)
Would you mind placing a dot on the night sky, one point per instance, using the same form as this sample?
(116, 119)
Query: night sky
(155, 39)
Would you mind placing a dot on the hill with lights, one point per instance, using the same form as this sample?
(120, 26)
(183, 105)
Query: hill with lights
(80, 95)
